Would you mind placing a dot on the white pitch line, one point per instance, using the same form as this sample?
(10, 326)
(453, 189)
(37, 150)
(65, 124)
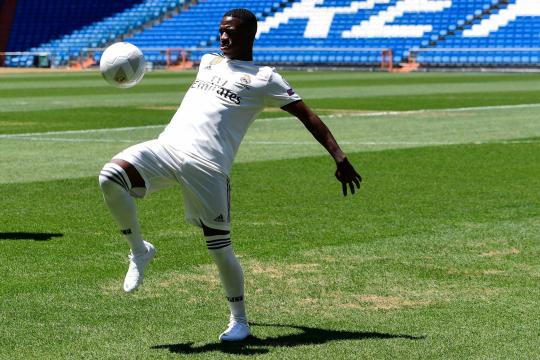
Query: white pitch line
(308, 143)
(86, 131)
(315, 143)
(420, 111)
(39, 138)
(401, 143)
(330, 116)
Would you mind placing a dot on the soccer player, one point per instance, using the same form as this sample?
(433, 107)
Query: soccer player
(196, 150)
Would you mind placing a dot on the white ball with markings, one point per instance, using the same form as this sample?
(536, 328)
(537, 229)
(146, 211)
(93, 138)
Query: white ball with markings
(122, 65)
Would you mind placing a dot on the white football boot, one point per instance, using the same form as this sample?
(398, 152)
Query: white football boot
(236, 331)
(135, 273)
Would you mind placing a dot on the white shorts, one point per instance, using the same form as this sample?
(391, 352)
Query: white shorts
(206, 191)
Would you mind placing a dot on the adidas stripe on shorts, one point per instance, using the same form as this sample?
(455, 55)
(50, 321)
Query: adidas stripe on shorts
(206, 191)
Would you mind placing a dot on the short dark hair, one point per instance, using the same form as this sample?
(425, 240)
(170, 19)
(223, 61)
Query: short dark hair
(249, 20)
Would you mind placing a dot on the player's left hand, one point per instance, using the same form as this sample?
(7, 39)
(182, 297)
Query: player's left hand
(346, 174)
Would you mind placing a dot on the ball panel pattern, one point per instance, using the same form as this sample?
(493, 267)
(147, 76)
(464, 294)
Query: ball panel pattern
(122, 65)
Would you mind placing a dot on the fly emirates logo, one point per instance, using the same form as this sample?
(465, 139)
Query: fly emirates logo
(217, 85)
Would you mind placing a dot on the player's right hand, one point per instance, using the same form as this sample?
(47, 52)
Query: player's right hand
(347, 175)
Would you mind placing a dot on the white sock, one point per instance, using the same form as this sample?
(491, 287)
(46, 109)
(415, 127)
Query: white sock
(230, 273)
(115, 185)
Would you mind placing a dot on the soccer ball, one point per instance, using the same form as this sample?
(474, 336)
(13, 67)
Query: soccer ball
(122, 65)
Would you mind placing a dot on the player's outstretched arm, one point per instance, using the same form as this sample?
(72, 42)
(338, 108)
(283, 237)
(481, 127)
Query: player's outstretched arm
(345, 172)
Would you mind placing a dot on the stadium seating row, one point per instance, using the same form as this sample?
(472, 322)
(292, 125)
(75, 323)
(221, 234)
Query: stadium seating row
(479, 60)
(432, 32)
(100, 33)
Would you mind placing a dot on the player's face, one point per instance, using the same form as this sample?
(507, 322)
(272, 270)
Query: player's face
(235, 41)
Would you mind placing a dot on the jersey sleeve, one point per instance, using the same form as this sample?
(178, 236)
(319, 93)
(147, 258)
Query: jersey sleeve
(278, 91)
(205, 59)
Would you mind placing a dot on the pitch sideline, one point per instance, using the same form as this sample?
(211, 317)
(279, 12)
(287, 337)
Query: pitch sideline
(32, 136)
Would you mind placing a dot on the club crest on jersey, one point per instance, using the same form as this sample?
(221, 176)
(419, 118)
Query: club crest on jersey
(243, 82)
(245, 79)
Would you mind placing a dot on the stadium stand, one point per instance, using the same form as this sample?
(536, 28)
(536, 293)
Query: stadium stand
(38, 21)
(98, 33)
(359, 28)
(322, 32)
(338, 32)
(502, 34)
(180, 32)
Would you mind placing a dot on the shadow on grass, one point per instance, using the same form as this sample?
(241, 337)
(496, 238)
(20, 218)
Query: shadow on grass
(254, 345)
(28, 236)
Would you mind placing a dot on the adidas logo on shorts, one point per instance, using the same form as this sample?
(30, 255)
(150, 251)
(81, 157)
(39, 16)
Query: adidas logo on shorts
(219, 218)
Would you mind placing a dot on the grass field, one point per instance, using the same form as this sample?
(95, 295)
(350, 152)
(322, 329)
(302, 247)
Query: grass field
(437, 257)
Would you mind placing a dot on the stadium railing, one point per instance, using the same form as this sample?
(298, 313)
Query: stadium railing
(373, 58)
(475, 57)
(40, 59)
(181, 58)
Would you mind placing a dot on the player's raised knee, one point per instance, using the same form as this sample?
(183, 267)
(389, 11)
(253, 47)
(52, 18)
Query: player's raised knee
(111, 176)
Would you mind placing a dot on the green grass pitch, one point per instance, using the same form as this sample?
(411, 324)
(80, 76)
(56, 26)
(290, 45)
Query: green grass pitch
(437, 257)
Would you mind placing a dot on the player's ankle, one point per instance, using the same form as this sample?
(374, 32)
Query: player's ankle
(239, 319)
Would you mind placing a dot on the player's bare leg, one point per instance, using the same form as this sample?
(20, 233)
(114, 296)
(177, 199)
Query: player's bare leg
(119, 182)
(232, 279)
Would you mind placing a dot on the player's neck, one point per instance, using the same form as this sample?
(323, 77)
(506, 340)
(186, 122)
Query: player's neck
(247, 56)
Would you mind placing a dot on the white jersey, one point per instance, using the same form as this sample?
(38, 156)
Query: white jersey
(219, 107)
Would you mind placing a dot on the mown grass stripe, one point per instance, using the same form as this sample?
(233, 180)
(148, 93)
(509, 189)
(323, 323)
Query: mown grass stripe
(304, 143)
(329, 116)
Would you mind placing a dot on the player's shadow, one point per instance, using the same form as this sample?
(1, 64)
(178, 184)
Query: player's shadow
(307, 336)
(28, 236)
